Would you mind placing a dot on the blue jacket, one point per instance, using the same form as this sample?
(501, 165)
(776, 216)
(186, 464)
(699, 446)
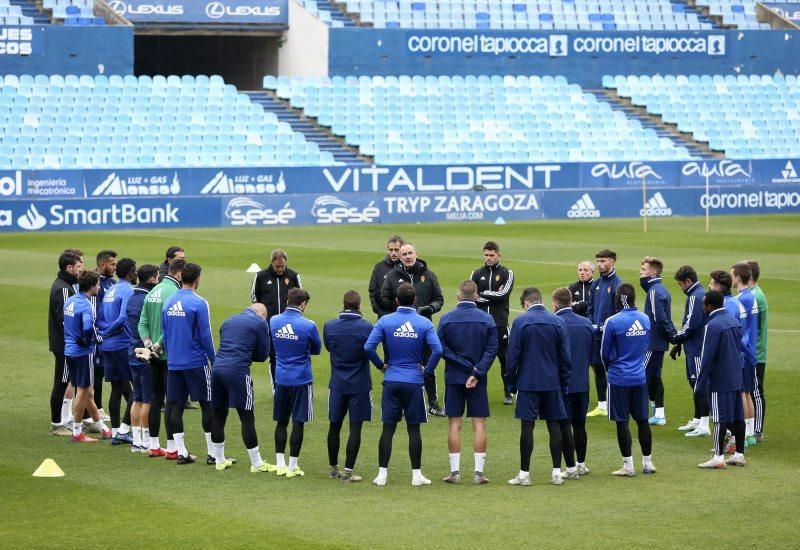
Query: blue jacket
(133, 311)
(344, 338)
(580, 336)
(243, 339)
(720, 364)
(750, 328)
(738, 311)
(601, 304)
(623, 347)
(469, 343)
(538, 354)
(80, 335)
(405, 333)
(186, 326)
(114, 327)
(658, 307)
(691, 332)
(295, 340)
(97, 301)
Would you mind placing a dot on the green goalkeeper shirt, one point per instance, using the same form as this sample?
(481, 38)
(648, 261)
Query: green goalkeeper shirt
(150, 319)
(761, 348)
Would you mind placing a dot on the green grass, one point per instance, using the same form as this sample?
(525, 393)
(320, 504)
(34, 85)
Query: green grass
(112, 496)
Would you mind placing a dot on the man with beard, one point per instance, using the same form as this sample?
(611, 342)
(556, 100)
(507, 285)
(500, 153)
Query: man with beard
(379, 272)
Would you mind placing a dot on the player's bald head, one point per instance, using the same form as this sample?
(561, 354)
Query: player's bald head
(260, 309)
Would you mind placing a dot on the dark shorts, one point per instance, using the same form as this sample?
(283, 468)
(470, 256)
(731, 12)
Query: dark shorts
(596, 359)
(726, 406)
(81, 370)
(653, 363)
(231, 390)
(357, 405)
(60, 372)
(142, 384)
(116, 365)
(457, 397)
(692, 368)
(293, 401)
(577, 405)
(749, 378)
(401, 399)
(196, 382)
(626, 401)
(545, 405)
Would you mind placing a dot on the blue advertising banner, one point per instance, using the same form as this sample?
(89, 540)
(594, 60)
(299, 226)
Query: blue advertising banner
(583, 57)
(409, 180)
(56, 49)
(786, 10)
(399, 207)
(254, 12)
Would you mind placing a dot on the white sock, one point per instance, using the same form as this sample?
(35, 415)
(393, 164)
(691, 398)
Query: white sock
(171, 448)
(556, 471)
(627, 462)
(383, 473)
(660, 412)
(218, 452)
(738, 455)
(124, 428)
(455, 462)
(416, 474)
(77, 428)
(571, 470)
(114, 432)
(523, 474)
(647, 460)
(602, 405)
(102, 426)
(179, 444)
(749, 426)
(66, 411)
(280, 460)
(581, 464)
(137, 436)
(719, 458)
(145, 437)
(209, 444)
(292, 463)
(703, 423)
(255, 457)
(155, 444)
(480, 462)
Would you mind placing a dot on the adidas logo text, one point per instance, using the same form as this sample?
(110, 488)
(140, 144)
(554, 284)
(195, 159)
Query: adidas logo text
(176, 310)
(155, 297)
(405, 331)
(656, 206)
(583, 208)
(636, 329)
(286, 332)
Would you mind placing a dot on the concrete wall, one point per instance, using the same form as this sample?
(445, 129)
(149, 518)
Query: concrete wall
(304, 51)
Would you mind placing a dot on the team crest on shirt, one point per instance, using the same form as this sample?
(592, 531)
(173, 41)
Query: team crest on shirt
(422, 278)
(608, 290)
(286, 280)
(497, 278)
(269, 282)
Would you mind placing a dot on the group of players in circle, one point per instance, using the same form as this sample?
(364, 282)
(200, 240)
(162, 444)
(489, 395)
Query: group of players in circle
(153, 342)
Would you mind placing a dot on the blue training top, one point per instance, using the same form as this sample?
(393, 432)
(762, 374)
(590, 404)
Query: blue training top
(295, 340)
(623, 347)
(344, 338)
(186, 327)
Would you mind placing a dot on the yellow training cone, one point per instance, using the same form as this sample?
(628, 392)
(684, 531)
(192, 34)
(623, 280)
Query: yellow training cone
(48, 468)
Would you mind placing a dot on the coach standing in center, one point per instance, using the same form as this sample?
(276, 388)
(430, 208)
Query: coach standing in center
(495, 283)
(429, 300)
(271, 287)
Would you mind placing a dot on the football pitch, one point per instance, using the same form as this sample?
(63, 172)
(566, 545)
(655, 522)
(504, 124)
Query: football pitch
(112, 497)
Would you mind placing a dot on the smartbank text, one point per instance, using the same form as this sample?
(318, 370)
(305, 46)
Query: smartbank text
(560, 45)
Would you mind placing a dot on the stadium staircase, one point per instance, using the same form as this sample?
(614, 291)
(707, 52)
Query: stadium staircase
(655, 122)
(336, 11)
(29, 9)
(690, 6)
(312, 131)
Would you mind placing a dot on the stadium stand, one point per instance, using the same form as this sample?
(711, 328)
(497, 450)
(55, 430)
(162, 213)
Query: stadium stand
(441, 120)
(327, 13)
(20, 12)
(93, 122)
(73, 12)
(744, 116)
(533, 15)
(740, 14)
